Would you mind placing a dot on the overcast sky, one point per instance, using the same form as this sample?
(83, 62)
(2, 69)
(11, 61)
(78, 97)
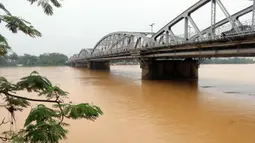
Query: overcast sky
(81, 23)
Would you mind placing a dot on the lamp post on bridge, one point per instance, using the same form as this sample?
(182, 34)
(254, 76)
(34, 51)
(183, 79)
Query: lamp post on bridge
(151, 25)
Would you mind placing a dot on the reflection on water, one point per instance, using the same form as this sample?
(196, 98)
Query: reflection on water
(219, 108)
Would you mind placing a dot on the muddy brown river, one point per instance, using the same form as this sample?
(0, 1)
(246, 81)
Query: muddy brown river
(218, 108)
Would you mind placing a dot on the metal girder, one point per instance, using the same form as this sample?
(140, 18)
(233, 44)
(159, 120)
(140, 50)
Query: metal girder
(119, 42)
(137, 42)
(213, 17)
(167, 37)
(226, 13)
(172, 35)
(224, 21)
(180, 17)
(253, 13)
(195, 26)
(161, 39)
(186, 15)
(238, 22)
(186, 28)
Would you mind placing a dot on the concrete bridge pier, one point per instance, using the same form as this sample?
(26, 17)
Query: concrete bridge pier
(169, 69)
(102, 65)
(72, 64)
(80, 65)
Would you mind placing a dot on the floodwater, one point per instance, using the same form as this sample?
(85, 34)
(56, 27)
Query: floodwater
(218, 108)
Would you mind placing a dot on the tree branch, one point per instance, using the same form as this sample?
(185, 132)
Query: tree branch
(4, 139)
(30, 99)
(3, 122)
(62, 113)
(40, 100)
(61, 110)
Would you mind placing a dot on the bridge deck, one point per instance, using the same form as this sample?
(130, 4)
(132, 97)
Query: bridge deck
(235, 46)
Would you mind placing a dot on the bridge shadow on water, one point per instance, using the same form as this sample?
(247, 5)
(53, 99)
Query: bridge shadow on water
(132, 77)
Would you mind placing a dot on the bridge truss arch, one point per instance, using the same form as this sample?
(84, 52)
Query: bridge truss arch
(85, 53)
(121, 41)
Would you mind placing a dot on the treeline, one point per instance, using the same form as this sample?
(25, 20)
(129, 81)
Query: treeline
(47, 59)
(229, 61)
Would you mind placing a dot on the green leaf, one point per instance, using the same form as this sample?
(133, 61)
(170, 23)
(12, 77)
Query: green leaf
(4, 49)
(4, 9)
(83, 110)
(17, 102)
(48, 9)
(3, 40)
(34, 82)
(45, 4)
(53, 91)
(41, 114)
(14, 24)
(32, 1)
(65, 107)
(45, 132)
(55, 3)
(19, 137)
(6, 86)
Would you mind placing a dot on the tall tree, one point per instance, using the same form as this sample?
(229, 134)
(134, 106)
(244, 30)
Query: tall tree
(43, 124)
(13, 57)
(52, 59)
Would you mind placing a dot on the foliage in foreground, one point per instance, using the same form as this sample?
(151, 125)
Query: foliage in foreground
(15, 23)
(43, 124)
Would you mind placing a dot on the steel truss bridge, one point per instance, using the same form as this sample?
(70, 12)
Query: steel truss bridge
(228, 37)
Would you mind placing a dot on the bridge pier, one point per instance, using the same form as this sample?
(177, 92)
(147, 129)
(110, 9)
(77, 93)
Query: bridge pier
(169, 69)
(73, 65)
(99, 65)
(79, 65)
